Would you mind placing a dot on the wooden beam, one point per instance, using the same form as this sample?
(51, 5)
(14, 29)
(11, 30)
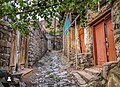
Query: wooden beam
(26, 52)
(74, 20)
(99, 17)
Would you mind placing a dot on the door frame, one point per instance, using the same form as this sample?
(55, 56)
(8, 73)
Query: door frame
(103, 18)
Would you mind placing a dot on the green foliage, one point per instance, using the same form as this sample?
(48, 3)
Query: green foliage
(21, 12)
(59, 32)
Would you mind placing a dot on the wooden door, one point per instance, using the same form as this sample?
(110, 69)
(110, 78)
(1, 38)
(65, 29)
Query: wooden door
(81, 40)
(103, 39)
(99, 38)
(110, 36)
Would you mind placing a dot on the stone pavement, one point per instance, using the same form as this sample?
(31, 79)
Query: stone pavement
(51, 71)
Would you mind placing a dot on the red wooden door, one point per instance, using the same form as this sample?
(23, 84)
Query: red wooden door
(100, 49)
(110, 36)
(81, 40)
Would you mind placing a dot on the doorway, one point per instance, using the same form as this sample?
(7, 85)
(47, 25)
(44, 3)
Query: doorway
(103, 41)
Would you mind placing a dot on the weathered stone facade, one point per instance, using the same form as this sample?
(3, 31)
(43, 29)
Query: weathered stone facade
(88, 38)
(69, 43)
(111, 70)
(58, 42)
(86, 59)
(54, 42)
(13, 49)
(37, 45)
(110, 74)
(116, 25)
(5, 46)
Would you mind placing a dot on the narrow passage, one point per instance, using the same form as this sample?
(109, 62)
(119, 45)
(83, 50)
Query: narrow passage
(51, 71)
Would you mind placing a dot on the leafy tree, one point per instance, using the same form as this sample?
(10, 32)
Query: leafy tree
(22, 12)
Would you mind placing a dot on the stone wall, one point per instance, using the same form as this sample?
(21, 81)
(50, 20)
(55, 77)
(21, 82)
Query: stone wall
(88, 35)
(5, 46)
(65, 43)
(110, 74)
(13, 50)
(57, 41)
(111, 70)
(86, 59)
(88, 38)
(116, 25)
(37, 46)
(114, 76)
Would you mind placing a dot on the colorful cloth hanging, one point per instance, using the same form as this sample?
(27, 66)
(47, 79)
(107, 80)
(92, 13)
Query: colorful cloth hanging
(66, 25)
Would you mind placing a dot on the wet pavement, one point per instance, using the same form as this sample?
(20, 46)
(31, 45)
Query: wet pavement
(51, 71)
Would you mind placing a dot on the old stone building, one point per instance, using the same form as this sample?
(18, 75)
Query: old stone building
(18, 52)
(54, 42)
(13, 49)
(37, 45)
(70, 44)
(113, 72)
(5, 46)
(89, 39)
(77, 45)
(115, 12)
(98, 42)
(109, 14)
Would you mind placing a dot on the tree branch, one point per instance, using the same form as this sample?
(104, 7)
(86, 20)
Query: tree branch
(24, 11)
(31, 10)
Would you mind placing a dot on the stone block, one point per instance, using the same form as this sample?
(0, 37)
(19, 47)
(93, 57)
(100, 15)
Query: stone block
(37, 47)
(5, 31)
(1, 49)
(107, 67)
(1, 35)
(114, 77)
(4, 56)
(5, 50)
(5, 43)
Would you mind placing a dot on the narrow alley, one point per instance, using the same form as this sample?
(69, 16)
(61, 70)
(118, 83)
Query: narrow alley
(51, 71)
(59, 43)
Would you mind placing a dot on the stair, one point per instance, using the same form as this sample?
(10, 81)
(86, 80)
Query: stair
(93, 71)
(86, 77)
(79, 79)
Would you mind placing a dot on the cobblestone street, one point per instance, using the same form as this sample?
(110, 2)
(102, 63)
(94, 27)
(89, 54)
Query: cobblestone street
(59, 43)
(51, 71)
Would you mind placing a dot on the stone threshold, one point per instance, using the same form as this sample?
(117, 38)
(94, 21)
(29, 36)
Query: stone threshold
(85, 76)
(24, 71)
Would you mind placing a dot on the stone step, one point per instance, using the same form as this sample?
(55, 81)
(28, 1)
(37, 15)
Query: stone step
(25, 71)
(85, 75)
(93, 71)
(79, 79)
(84, 78)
